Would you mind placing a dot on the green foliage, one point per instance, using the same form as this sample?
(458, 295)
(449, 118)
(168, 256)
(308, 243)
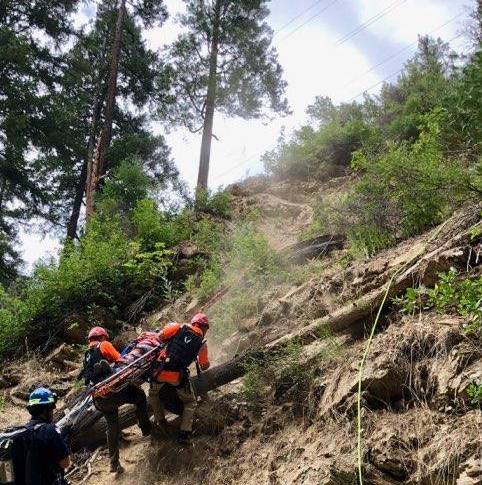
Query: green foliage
(410, 302)
(463, 107)
(216, 204)
(253, 381)
(402, 192)
(249, 77)
(282, 368)
(322, 152)
(126, 187)
(105, 269)
(451, 294)
(243, 262)
(415, 148)
(474, 391)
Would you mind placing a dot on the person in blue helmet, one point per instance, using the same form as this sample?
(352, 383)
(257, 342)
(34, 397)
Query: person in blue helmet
(40, 454)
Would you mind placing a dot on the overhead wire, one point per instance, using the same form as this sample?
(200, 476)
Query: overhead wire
(297, 16)
(345, 38)
(396, 54)
(370, 21)
(389, 77)
(341, 41)
(326, 7)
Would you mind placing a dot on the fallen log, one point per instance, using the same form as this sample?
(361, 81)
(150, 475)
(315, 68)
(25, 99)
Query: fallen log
(302, 252)
(349, 317)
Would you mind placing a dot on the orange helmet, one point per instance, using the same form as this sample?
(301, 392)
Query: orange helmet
(97, 332)
(201, 320)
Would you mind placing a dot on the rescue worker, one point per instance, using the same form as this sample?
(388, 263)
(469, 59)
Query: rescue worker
(97, 358)
(185, 344)
(40, 455)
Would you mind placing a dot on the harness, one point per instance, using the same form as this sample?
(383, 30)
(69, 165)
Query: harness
(92, 357)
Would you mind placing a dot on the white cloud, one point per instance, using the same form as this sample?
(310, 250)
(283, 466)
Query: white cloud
(313, 66)
(405, 22)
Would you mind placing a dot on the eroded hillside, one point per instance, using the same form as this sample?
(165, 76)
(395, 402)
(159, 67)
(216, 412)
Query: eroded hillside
(292, 418)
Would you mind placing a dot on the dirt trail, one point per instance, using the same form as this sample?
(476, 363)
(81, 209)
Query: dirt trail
(286, 209)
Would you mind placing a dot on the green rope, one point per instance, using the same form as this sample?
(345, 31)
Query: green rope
(369, 343)
(360, 376)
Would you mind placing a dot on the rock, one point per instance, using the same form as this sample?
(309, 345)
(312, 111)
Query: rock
(248, 324)
(188, 250)
(10, 377)
(62, 357)
(4, 383)
(471, 472)
(75, 329)
(60, 388)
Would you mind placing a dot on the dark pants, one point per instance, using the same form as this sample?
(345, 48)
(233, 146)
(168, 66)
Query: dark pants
(109, 406)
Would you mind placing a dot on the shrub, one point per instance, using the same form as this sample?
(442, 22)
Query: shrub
(105, 270)
(451, 294)
(474, 391)
(216, 204)
(323, 152)
(244, 263)
(404, 191)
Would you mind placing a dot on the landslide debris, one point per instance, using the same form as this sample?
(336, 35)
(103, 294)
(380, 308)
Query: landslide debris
(297, 423)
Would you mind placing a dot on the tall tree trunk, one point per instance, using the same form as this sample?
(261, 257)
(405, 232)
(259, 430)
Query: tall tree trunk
(79, 196)
(98, 166)
(202, 180)
(82, 183)
(3, 186)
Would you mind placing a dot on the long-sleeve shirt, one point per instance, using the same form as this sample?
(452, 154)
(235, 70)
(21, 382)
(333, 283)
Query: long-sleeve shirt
(108, 351)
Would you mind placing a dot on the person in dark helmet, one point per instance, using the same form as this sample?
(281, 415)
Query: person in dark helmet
(185, 344)
(39, 452)
(97, 366)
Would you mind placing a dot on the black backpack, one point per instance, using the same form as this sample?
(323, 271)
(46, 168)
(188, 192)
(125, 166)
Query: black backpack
(92, 359)
(182, 350)
(14, 443)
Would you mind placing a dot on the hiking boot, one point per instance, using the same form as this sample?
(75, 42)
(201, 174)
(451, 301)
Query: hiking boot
(184, 438)
(159, 431)
(146, 430)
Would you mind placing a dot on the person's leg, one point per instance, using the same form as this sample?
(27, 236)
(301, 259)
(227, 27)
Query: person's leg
(112, 419)
(186, 395)
(156, 403)
(135, 395)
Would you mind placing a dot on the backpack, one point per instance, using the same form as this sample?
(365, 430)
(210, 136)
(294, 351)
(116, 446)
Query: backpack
(92, 371)
(12, 441)
(183, 349)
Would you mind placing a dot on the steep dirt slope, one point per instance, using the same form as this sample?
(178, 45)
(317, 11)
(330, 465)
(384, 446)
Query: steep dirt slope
(419, 427)
(299, 425)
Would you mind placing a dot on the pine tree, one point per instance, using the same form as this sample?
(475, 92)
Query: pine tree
(150, 13)
(224, 62)
(78, 109)
(30, 66)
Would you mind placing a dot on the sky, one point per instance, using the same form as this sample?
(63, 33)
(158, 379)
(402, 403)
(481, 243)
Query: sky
(335, 48)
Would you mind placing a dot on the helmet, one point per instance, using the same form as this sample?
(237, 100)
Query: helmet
(42, 397)
(201, 320)
(97, 332)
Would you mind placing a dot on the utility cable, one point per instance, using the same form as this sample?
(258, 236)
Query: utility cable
(297, 16)
(413, 44)
(390, 76)
(351, 34)
(309, 20)
(369, 22)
